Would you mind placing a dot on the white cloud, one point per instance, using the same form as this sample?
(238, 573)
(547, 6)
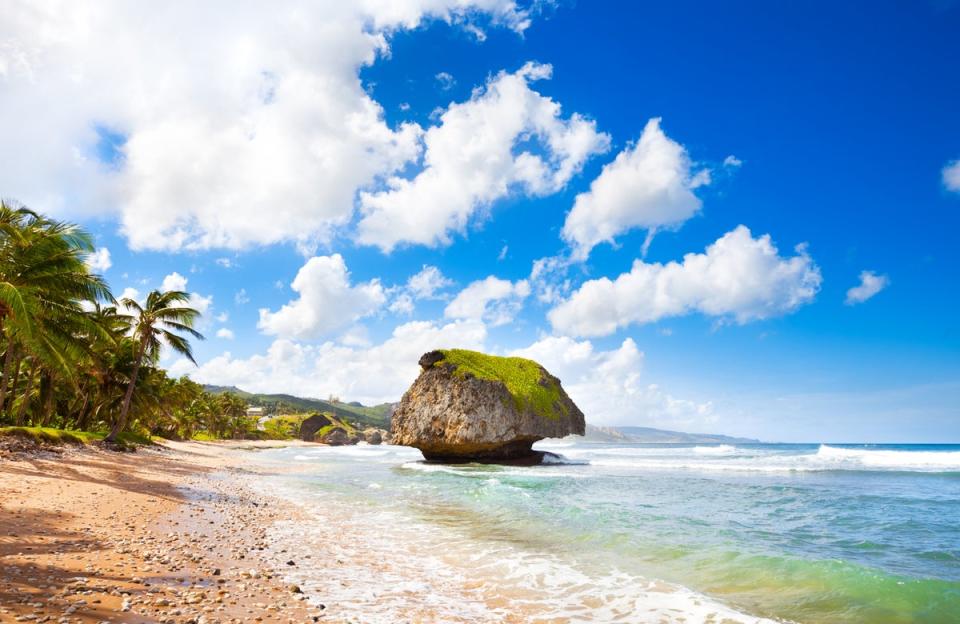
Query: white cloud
(327, 301)
(223, 317)
(549, 279)
(607, 385)
(241, 297)
(225, 333)
(99, 261)
(224, 262)
(732, 161)
(426, 283)
(608, 388)
(202, 305)
(738, 277)
(445, 80)
(174, 281)
(649, 185)
(402, 304)
(254, 132)
(951, 176)
(494, 300)
(870, 284)
(129, 293)
(481, 151)
(368, 374)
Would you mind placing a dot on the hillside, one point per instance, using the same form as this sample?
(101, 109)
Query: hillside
(649, 435)
(379, 416)
(376, 415)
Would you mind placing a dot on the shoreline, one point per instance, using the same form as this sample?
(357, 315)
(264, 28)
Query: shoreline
(171, 534)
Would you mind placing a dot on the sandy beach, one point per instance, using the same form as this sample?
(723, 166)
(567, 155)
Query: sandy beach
(90, 536)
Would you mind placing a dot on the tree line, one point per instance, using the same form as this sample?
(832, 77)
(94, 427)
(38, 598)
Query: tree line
(75, 357)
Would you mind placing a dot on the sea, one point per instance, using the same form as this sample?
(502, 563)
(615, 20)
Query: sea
(636, 533)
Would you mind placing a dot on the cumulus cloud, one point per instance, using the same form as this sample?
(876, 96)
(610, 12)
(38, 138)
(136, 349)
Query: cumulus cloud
(201, 303)
(254, 132)
(739, 277)
(951, 176)
(493, 300)
(428, 282)
(445, 80)
(99, 261)
(402, 304)
(650, 185)
(870, 284)
(505, 137)
(732, 161)
(371, 375)
(174, 281)
(225, 333)
(327, 302)
(608, 387)
(129, 293)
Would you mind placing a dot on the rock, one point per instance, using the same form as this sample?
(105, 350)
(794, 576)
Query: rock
(373, 436)
(335, 436)
(313, 424)
(468, 406)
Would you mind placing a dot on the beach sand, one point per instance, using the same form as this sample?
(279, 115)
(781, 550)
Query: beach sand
(89, 536)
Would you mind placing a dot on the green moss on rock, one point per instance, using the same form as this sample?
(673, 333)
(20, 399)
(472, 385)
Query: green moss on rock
(526, 381)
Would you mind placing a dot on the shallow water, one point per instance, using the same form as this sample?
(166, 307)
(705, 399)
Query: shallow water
(638, 533)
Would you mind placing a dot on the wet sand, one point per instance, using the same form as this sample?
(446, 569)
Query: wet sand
(167, 535)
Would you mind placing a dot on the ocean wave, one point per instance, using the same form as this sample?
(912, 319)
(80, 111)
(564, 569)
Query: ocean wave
(722, 449)
(555, 459)
(429, 572)
(889, 459)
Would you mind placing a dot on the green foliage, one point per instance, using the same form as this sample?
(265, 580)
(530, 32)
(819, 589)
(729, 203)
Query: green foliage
(50, 435)
(283, 427)
(374, 416)
(523, 379)
(335, 423)
(74, 360)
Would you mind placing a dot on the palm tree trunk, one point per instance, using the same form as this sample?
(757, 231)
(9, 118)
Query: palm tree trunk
(26, 394)
(121, 421)
(81, 419)
(46, 404)
(7, 369)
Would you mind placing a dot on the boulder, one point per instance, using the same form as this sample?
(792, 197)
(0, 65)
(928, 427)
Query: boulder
(373, 436)
(469, 406)
(313, 424)
(335, 436)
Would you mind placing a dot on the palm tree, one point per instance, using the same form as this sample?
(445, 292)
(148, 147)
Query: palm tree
(157, 321)
(43, 280)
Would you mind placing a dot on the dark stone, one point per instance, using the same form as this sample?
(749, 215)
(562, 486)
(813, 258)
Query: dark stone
(427, 360)
(313, 424)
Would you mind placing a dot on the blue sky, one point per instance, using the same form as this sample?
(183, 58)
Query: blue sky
(359, 147)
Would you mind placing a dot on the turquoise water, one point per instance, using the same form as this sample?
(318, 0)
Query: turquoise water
(804, 533)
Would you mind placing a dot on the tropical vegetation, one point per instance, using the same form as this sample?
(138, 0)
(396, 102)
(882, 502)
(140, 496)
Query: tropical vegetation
(72, 357)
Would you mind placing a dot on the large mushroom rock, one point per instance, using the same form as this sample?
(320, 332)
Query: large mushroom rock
(313, 424)
(468, 406)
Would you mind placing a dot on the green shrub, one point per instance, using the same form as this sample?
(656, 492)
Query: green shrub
(523, 378)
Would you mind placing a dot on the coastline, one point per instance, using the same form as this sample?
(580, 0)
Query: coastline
(172, 534)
